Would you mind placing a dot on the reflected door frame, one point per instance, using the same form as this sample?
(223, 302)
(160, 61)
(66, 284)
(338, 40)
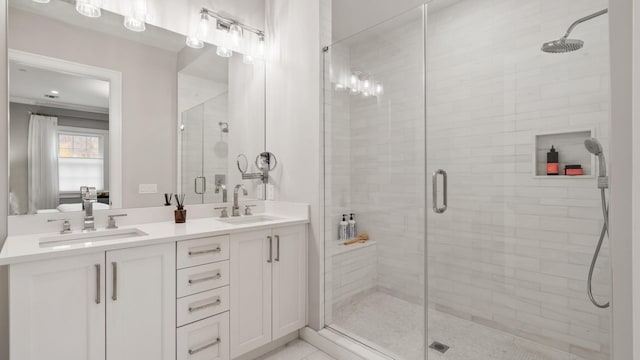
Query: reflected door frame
(115, 107)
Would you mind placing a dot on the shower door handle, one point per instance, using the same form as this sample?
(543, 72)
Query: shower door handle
(437, 209)
(203, 187)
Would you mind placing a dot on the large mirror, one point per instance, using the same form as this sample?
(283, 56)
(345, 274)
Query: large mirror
(132, 114)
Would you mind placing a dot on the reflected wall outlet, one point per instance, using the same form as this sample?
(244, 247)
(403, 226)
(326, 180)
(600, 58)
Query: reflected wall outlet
(148, 188)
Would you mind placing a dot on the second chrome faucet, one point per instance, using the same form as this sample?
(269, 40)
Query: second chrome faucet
(235, 210)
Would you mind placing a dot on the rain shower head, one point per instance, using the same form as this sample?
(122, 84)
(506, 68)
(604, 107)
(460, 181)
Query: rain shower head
(564, 44)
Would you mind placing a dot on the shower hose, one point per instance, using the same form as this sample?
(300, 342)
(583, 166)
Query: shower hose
(603, 233)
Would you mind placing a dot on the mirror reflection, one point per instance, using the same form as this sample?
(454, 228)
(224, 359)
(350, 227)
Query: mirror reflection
(221, 103)
(131, 114)
(59, 131)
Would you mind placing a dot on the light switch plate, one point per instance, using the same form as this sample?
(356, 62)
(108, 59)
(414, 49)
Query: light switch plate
(148, 188)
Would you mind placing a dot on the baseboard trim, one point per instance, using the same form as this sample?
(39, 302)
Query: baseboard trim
(339, 346)
(268, 347)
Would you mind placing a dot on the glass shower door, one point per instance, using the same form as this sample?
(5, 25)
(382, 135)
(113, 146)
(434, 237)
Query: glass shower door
(374, 162)
(508, 259)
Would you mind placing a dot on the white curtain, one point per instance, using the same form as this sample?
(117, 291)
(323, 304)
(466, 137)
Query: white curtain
(43, 163)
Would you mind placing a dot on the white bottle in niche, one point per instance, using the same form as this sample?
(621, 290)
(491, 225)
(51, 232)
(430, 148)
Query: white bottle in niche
(342, 228)
(351, 227)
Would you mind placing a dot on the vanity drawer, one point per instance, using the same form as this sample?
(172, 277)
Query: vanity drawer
(201, 278)
(202, 251)
(206, 339)
(199, 306)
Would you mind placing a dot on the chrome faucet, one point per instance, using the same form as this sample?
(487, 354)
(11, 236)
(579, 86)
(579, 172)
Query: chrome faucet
(89, 196)
(222, 186)
(235, 210)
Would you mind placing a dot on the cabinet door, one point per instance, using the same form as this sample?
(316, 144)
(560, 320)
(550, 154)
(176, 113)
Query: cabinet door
(141, 303)
(250, 286)
(289, 279)
(58, 309)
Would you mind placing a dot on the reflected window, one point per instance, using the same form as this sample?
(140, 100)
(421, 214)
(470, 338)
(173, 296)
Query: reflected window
(80, 160)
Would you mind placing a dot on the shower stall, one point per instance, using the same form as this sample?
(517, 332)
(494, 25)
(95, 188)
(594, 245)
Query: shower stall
(437, 125)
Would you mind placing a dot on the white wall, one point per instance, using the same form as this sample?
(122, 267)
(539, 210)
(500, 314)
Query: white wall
(4, 180)
(293, 119)
(625, 175)
(149, 77)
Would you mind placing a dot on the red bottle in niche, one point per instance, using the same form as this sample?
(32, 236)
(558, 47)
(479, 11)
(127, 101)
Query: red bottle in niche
(553, 166)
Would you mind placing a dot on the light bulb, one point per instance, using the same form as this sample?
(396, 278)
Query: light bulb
(134, 24)
(379, 89)
(89, 8)
(42, 1)
(247, 59)
(261, 46)
(196, 40)
(136, 21)
(224, 52)
(236, 33)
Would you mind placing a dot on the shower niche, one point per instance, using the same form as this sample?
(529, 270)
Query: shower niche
(571, 151)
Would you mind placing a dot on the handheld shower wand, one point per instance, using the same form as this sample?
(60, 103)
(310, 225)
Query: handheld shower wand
(593, 146)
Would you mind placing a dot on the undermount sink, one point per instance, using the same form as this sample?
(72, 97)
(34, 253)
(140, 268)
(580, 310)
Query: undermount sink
(65, 240)
(248, 219)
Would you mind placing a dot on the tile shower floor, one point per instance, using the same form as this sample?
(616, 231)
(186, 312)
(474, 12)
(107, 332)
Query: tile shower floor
(396, 326)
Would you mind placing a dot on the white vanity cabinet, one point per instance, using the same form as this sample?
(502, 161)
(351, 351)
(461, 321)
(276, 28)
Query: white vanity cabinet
(117, 305)
(57, 309)
(268, 286)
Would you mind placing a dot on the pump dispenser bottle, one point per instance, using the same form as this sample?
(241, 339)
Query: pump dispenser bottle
(342, 228)
(553, 164)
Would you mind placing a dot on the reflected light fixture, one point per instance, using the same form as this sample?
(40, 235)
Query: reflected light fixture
(89, 8)
(224, 52)
(42, 1)
(360, 83)
(138, 17)
(247, 59)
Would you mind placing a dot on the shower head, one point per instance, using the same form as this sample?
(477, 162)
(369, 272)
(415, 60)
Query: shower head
(564, 44)
(224, 127)
(593, 146)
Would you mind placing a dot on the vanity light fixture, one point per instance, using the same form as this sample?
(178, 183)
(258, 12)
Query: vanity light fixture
(136, 20)
(89, 8)
(55, 92)
(42, 1)
(234, 28)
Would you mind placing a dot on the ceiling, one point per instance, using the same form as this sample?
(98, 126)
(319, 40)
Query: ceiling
(30, 85)
(350, 17)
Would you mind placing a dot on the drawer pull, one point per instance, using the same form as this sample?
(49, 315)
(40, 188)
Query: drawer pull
(208, 278)
(205, 346)
(204, 306)
(203, 252)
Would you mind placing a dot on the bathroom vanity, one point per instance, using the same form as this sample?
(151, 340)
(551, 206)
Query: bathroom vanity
(208, 289)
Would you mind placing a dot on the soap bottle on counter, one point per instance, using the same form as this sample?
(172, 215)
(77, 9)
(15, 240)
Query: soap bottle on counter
(351, 227)
(342, 228)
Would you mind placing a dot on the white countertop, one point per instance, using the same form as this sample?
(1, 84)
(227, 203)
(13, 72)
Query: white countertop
(25, 248)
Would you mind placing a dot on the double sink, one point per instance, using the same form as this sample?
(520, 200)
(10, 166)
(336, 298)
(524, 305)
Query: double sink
(88, 238)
